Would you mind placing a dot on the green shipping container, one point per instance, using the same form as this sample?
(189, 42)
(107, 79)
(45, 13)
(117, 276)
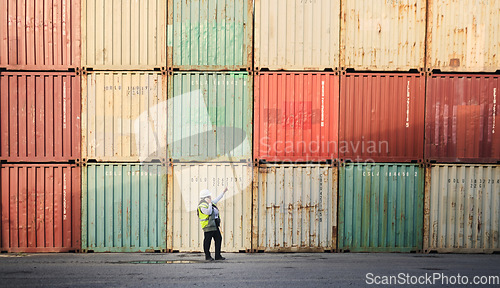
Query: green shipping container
(210, 35)
(124, 207)
(210, 116)
(381, 208)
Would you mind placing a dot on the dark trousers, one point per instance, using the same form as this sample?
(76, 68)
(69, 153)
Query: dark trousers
(208, 240)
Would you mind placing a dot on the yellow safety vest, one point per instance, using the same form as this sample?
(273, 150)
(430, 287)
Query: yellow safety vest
(203, 217)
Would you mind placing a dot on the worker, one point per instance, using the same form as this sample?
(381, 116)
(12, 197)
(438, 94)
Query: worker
(210, 222)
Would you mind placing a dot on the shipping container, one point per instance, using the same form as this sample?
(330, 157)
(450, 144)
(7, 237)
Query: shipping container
(124, 207)
(124, 116)
(462, 208)
(463, 36)
(296, 116)
(297, 35)
(382, 117)
(40, 35)
(210, 35)
(40, 116)
(185, 181)
(295, 208)
(381, 208)
(40, 208)
(383, 35)
(210, 116)
(124, 34)
(462, 112)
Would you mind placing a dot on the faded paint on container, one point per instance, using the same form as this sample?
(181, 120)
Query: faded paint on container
(40, 35)
(462, 118)
(40, 208)
(40, 116)
(462, 209)
(124, 34)
(463, 36)
(382, 117)
(381, 208)
(124, 116)
(185, 181)
(296, 116)
(384, 35)
(295, 208)
(297, 34)
(210, 35)
(124, 207)
(210, 116)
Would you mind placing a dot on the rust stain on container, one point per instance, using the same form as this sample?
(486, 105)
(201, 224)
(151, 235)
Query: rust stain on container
(462, 118)
(40, 35)
(40, 207)
(382, 117)
(296, 116)
(40, 116)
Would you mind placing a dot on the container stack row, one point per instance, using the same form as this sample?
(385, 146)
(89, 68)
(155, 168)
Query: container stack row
(40, 109)
(336, 125)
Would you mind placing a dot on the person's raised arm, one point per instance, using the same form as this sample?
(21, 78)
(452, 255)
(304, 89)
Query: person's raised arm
(219, 197)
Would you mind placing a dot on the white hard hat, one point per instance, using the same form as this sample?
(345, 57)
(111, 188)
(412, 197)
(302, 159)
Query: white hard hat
(205, 193)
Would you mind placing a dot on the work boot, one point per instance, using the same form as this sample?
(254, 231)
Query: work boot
(209, 258)
(220, 258)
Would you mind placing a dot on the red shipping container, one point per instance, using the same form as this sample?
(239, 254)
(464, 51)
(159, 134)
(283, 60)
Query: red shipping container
(462, 114)
(382, 117)
(40, 116)
(296, 116)
(40, 207)
(40, 35)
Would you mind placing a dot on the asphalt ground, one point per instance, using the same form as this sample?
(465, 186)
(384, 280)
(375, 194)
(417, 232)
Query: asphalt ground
(303, 270)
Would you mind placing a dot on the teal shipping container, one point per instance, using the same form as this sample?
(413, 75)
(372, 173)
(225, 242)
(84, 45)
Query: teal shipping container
(124, 207)
(210, 35)
(381, 207)
(209, 116)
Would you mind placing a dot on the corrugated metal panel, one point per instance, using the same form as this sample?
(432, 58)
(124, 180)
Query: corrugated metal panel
(382, 117)
(295, 208)
(385, 35)
(185, 182)
(124, 34)
(297, 34)
(381, 207)
(40, 35)
(462, 114)
(39, 116)
(124, 116)
(210, 35)
(463, 36)
(40, 207)
(462, 208)
(124, 207)
(296, 116)
(210, 116)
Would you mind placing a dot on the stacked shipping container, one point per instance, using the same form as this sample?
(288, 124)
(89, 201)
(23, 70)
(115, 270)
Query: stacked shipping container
(40, 126)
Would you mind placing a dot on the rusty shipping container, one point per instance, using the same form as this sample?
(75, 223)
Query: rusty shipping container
(124, 116)
(124, 207)
(382, 117)
(296, 116)
(210, 116)
(462, 114)
(210, 35)
(40, 116)
(295, 208)
(40, 35)
(124, 34)
(462, 208)
(381, 207)
(463, 36)
(383, 35)
(40, 208)
(297, 35)
(185, 181)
